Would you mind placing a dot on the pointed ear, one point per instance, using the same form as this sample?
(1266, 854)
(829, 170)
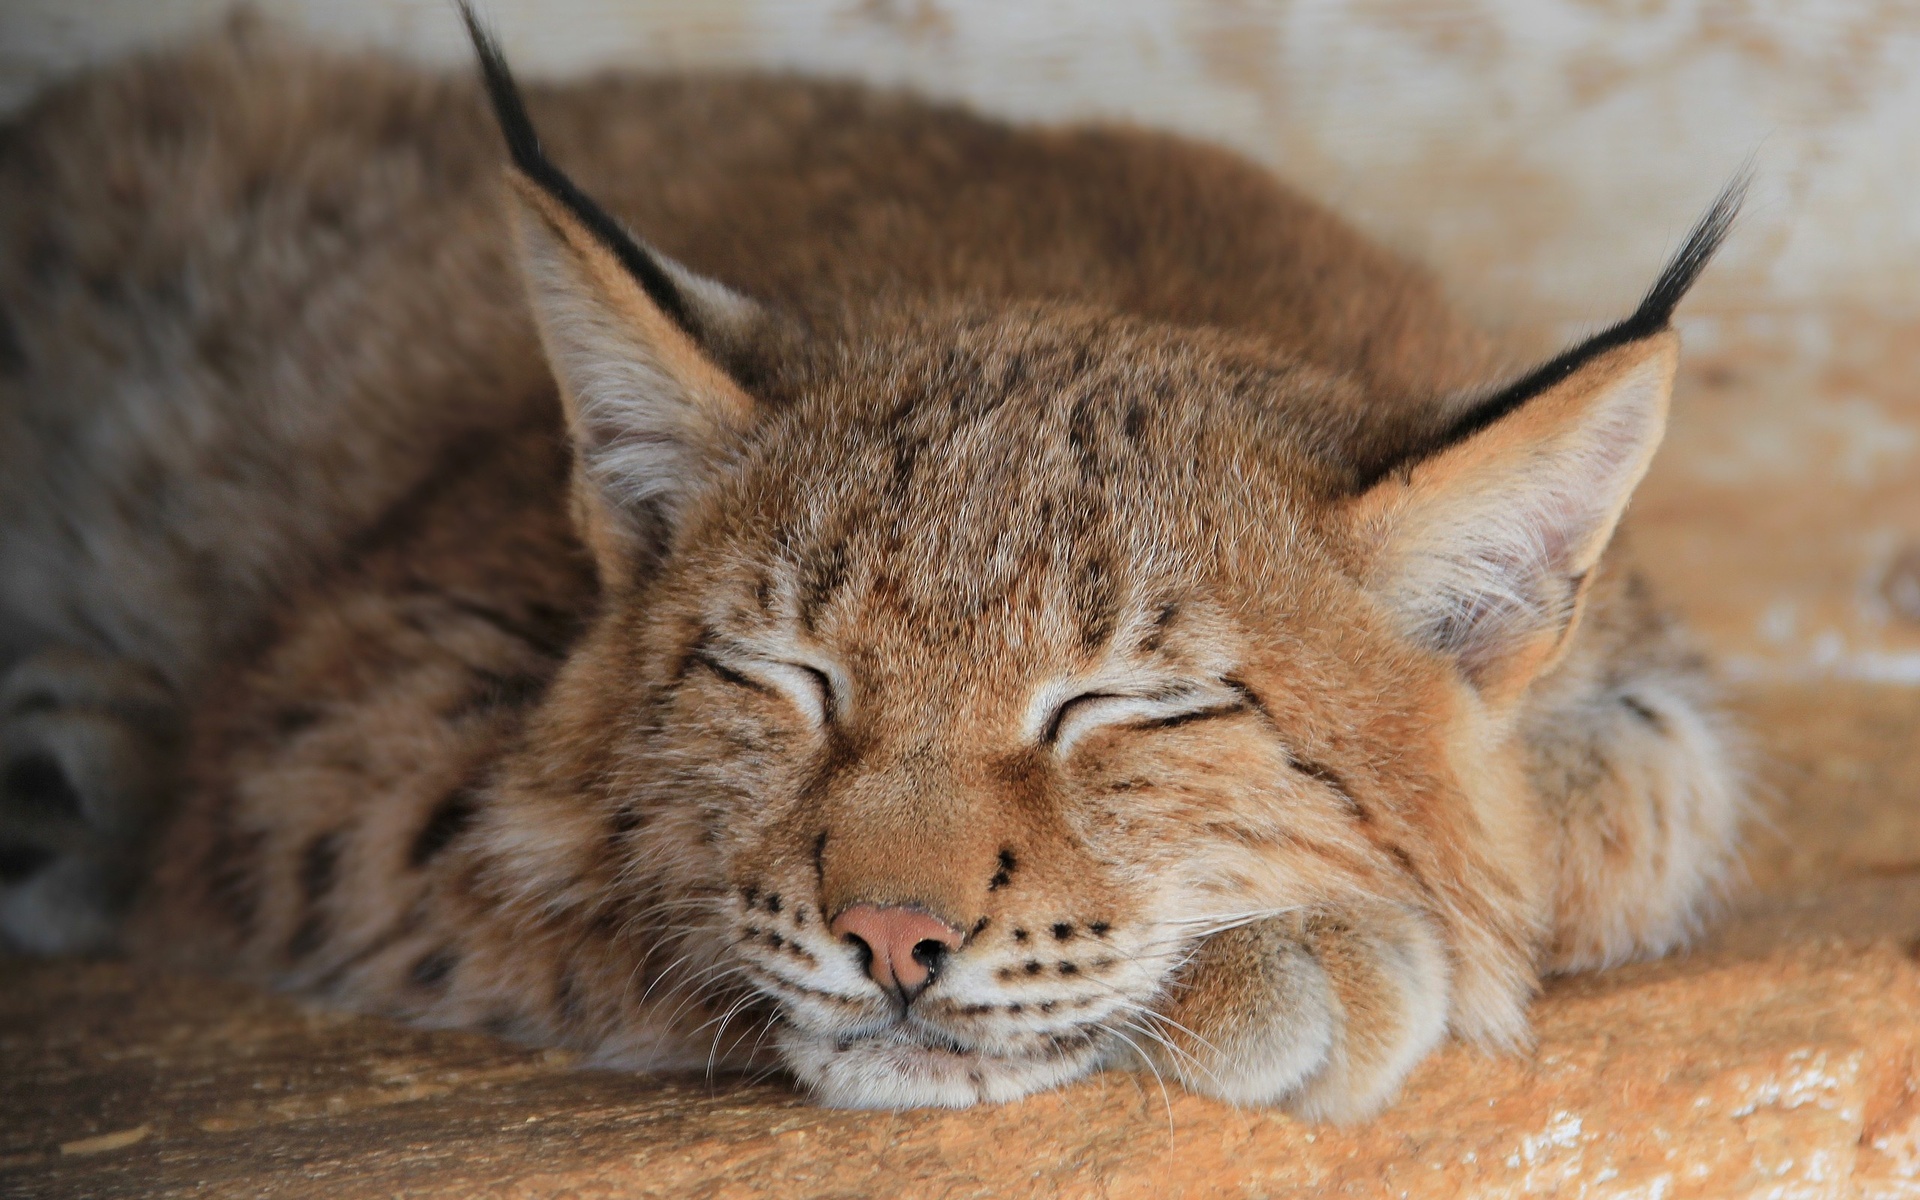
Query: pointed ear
(1482, 549)
(1481, 540)
(648, 410)
(637, 344)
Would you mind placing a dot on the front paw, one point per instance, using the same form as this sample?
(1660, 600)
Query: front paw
(1323, 1011)
(86, 747)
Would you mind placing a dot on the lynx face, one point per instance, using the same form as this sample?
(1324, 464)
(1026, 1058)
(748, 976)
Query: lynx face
(1008, 640)
(994, 695)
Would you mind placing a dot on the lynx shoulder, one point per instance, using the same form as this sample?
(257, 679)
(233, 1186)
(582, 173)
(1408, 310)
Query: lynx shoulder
(743, 568)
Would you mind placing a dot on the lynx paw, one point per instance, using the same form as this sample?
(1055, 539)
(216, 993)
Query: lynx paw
(1324, 1012)
(86, 747)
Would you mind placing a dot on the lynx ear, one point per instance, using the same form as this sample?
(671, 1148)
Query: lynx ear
(1481, 542)
(648, 410)
(1483, 549)
(635, 341)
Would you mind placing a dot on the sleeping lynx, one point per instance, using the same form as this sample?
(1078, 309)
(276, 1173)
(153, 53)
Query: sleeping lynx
(1033, 601)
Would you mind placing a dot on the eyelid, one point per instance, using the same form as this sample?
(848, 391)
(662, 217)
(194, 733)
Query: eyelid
(1079, 713)
(810, 688)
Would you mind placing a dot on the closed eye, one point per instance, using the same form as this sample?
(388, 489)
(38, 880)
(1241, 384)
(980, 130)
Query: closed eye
(1083, 713)
(807, 687)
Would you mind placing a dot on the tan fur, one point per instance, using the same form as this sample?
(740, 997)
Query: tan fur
(576, 713)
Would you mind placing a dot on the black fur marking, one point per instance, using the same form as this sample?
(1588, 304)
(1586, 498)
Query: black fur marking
(547, 630)
(319, 865)
(906, 453)
(295, 719)
(319, 870)
(1080, 438)
(432, 970)
(233, 876)
(523, 144)
(1641, 709)
(34, 702)
(1187, 718)
(449, 819)
(730, 675)
(1062, 931)
(307, 936)
(1157, 635)
(822, 576)
(1249, 696)
(1332, 780)
(1099, 928)
(380, 943)
(38, 785)
(1004, 875)
(13, 354)
(1100, 604)
(1406, 862)
(1653, 316)
(820, 857)
(19, 861)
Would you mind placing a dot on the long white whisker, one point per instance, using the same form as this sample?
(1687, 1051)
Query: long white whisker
(714, 1054)
(1165, 1099)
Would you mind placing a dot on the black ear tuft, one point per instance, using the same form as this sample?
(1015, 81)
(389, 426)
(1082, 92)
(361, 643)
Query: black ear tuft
(1654, 314)
(1656, 311)
(523, 144)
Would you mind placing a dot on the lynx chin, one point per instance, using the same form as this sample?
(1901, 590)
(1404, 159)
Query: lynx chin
(765, 572)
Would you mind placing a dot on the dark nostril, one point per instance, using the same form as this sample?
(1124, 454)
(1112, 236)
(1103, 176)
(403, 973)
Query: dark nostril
(930, 954)
(902, 944)
(861, 948)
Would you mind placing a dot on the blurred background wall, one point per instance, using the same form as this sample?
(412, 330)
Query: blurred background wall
(1544, 155)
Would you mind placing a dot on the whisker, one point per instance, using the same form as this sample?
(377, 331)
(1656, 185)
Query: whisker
(1165, 1099)
(714, 1054)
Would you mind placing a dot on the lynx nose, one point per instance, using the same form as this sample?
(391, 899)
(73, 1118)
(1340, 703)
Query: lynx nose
(904, 945)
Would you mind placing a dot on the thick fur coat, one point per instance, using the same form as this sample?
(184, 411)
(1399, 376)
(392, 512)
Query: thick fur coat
(1071, 538)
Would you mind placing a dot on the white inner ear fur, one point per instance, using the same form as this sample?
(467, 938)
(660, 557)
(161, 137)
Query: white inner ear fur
(1482, 549)
(645, 406)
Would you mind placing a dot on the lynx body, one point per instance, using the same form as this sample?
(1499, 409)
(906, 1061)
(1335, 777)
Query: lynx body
(955, 608)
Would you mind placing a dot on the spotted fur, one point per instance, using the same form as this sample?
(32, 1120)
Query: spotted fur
(1072, 533)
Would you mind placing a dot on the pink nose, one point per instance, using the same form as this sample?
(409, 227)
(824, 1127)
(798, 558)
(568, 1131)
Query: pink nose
(904, 945)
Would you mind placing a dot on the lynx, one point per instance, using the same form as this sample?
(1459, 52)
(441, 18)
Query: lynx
(956, 608)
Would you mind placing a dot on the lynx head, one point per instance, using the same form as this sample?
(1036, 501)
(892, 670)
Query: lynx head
(958, 676)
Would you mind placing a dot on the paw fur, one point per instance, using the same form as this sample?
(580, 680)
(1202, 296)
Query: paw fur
(85, 750)
(1324, 1013)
